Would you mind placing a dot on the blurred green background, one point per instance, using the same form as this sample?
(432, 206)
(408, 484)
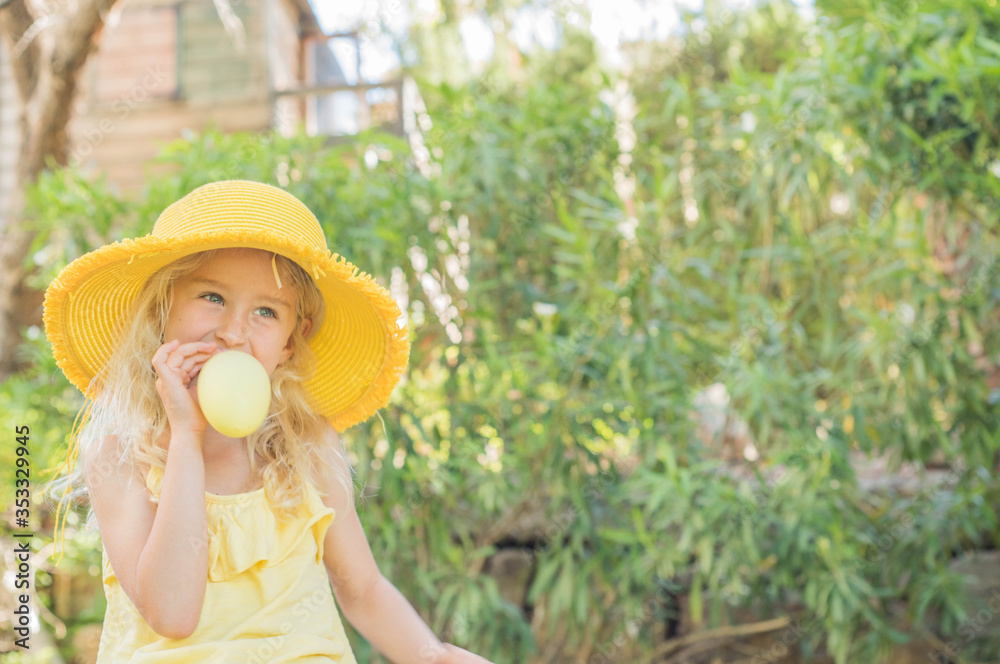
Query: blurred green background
(706, 359)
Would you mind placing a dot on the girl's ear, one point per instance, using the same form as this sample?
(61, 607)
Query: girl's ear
(306, 327)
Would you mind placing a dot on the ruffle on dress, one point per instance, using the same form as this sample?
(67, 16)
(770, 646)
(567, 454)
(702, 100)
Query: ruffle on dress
(244, 533)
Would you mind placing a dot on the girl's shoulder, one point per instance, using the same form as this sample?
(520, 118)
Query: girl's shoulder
(107, 460)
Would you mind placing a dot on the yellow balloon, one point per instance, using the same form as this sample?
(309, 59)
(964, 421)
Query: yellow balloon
(234, 392)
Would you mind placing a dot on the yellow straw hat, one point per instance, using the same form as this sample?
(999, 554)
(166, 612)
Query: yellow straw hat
(361, 345)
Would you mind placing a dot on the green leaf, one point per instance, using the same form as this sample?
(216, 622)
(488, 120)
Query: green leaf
(695, 600)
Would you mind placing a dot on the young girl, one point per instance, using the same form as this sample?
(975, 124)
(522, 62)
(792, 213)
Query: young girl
(223, 550)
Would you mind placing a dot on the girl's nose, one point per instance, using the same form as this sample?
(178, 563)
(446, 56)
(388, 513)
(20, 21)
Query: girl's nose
(232, 331)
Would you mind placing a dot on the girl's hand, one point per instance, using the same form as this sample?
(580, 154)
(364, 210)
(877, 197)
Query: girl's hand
(455, 655)
(176, 365)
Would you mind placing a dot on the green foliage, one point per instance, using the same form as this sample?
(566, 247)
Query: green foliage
(812, 225)
(838, 216)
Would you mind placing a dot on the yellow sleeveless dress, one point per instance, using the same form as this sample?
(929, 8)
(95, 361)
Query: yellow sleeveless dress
(268, 597)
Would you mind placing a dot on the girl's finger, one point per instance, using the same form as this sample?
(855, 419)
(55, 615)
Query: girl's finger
(161, 353)
(198, 347)
(187, 352)
(183, 352)
(194, 362)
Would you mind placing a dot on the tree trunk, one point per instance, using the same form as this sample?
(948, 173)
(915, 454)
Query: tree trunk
(48, 51)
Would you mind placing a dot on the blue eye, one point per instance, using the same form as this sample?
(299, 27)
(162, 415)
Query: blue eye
(210, 296)
(268, 312)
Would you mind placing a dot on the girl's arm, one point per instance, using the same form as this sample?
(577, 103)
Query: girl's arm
(368, 600)
(159, 553)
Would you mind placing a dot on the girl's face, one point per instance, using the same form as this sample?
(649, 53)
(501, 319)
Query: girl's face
(233, 300)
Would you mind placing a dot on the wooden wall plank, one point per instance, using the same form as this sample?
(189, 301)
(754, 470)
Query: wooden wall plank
(123, 149)
(10, 130)
(137, 57)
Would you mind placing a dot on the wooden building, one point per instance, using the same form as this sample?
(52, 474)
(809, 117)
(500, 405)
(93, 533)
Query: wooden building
(167, 66)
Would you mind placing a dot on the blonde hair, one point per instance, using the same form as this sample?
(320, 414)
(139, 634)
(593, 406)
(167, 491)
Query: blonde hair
(129, 411)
